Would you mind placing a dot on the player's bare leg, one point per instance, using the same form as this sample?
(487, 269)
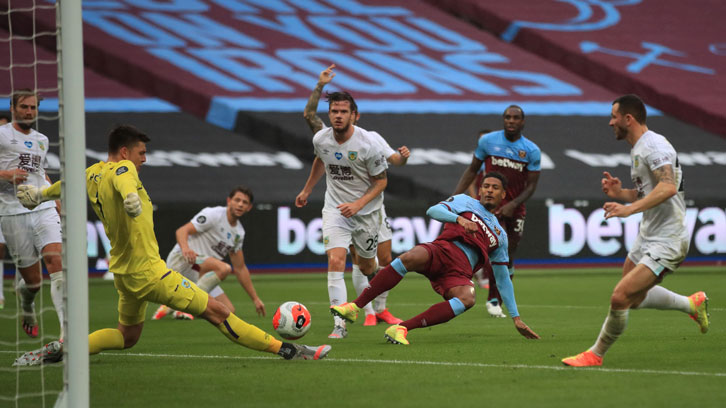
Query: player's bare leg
(631, 290)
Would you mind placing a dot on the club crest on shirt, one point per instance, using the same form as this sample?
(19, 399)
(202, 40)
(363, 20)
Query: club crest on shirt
(338, 155)
(121, 170)
(201, 219)
(522, 154)
(326, 240)
(352, 156)
(28, 144)
(497, 230)
(41, 145)
(636, 161)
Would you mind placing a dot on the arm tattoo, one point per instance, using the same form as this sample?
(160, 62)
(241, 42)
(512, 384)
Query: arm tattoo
(664, 174)
(314, 121)
(380, 176)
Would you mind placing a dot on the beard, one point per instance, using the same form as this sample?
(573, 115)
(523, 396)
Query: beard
(489, 206)
(24, 125)
(342, 129)
(620, 133)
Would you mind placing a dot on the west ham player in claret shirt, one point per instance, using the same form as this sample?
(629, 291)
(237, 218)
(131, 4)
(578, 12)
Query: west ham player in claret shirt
(508, 152)
(471, 237)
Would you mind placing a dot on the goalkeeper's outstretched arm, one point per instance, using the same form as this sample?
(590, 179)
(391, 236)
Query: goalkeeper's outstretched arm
(32, 196)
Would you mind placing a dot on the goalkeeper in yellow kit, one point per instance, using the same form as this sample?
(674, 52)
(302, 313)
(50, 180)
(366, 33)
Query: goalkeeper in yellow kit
(140, 275)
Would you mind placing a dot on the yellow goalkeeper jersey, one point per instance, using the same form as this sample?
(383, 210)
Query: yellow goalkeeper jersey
(133, 243)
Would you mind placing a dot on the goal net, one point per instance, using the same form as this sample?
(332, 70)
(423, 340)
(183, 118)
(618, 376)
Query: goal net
(44, 139)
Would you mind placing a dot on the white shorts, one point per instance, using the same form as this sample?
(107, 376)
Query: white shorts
(176, 261)
(359, 230)
(27, 234)
(659, 256)
(386, 232)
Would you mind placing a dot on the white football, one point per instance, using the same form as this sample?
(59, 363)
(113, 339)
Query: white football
(291, 320)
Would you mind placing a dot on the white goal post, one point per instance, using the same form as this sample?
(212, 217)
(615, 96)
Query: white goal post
(73, 165)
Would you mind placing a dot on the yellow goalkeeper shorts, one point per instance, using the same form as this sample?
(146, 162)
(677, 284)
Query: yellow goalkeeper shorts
(160, 285)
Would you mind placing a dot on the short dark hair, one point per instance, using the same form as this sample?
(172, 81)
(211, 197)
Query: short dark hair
(243, 190)
(633, 105)
(515, 107)
(125, 136)
(340, 97)
(496, 175)
(6, 117)
(23, 93)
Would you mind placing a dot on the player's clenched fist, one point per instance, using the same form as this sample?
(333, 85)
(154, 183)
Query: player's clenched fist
(132, 205)
(29, 196)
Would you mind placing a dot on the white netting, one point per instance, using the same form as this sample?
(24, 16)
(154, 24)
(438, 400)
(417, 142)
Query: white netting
(28, 60)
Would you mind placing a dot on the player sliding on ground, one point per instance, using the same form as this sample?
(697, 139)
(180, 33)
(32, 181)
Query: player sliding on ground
(471, 234)
(140, 275)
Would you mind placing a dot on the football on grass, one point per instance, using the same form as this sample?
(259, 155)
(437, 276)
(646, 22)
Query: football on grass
(291, 320)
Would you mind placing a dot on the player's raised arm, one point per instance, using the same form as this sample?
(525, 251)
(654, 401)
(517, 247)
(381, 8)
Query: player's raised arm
(311, 109)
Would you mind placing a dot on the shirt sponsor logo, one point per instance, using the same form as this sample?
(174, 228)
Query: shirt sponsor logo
(492, 238)
(338, 172)
(338, 155)
(28, 144)
(201, 219)
(510, 164)
(121, 170)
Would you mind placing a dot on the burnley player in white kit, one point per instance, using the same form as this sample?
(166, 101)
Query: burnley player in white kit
(29, 234)
(355, 171)
(663, 240)
(374, 311)
(202, 245)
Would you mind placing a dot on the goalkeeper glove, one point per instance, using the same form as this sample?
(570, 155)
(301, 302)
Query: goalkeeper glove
(30, 196)
(132, 205)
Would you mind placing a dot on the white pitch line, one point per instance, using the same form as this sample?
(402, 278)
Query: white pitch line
(604, 306)
(441, 363)
(429, 363)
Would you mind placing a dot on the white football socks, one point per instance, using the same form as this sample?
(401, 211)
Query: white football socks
(208, 281)
(27, 298)
(613, 327)
(56, 294)
(661, 298)
(360, 282)
(337, 293)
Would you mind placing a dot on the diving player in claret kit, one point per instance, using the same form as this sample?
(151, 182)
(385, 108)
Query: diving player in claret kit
(470, 238)
(508, 152)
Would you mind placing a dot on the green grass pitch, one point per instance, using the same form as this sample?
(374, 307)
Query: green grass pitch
(662, 360)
